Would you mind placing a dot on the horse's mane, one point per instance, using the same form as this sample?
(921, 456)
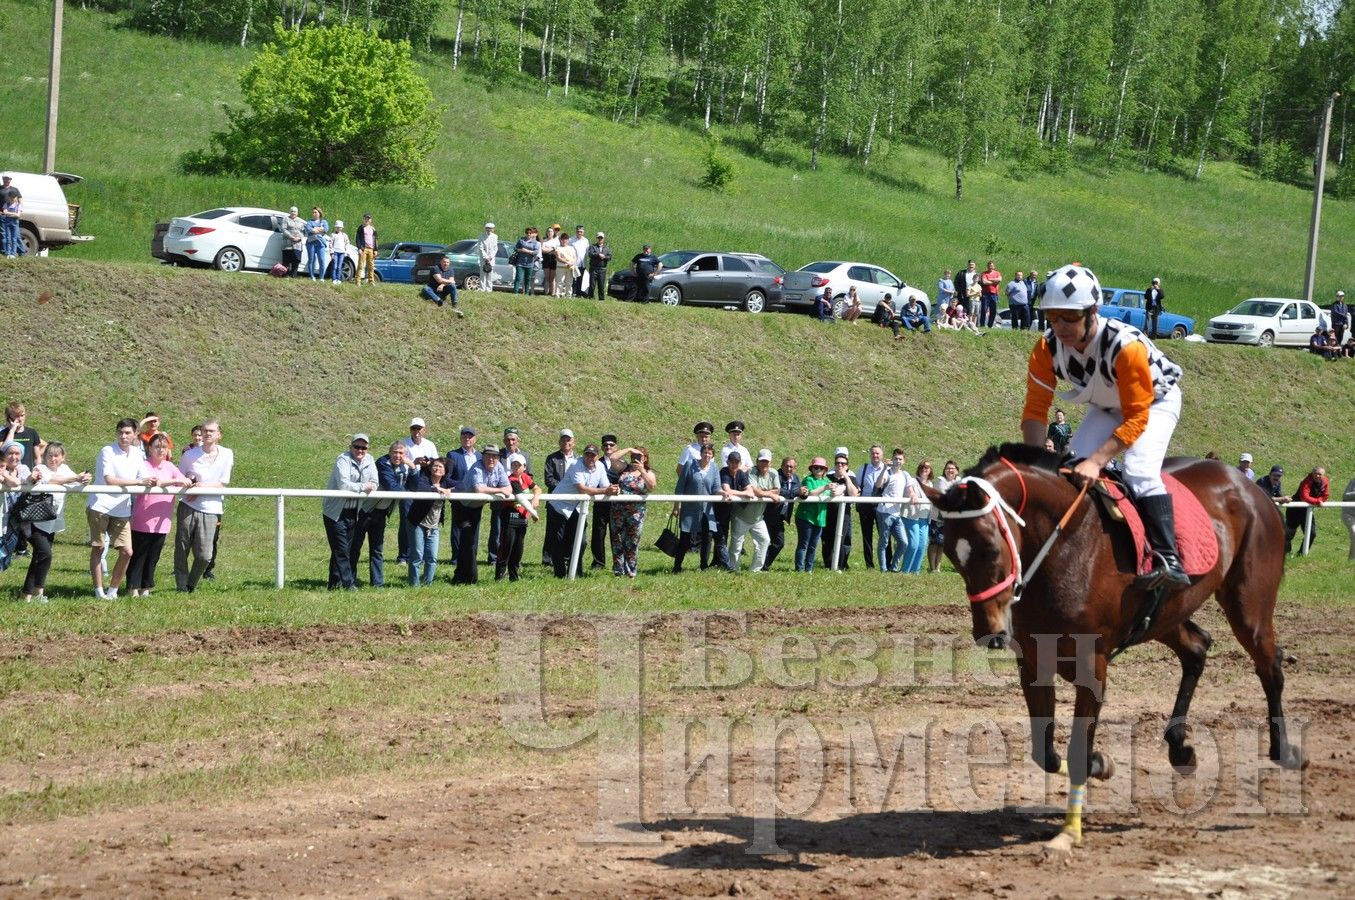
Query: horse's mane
(1020, 454)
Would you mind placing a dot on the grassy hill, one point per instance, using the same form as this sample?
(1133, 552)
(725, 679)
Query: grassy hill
(131, 104)
(292, 369)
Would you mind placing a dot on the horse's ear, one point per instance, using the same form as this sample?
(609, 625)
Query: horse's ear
(952, 500)
(932, 493)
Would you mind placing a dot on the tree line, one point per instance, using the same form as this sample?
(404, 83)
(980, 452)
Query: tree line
(1159, 84)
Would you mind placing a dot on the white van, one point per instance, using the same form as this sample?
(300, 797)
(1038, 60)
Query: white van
(48, 222)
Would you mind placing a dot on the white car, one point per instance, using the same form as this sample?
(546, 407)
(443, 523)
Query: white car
(47, 221)
(1267, 322)
(233, 238)
(803, 286)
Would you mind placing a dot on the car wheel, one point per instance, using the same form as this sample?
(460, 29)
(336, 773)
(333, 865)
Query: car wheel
(839, 305)
(350, 270)
(472, 283)
(1179, 333)
(229, 259)
(377, 275)
(671, 295)
(30, 239)
(1267, 339)
(755, 302)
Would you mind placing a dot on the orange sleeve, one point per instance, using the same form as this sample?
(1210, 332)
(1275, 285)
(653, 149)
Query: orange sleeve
(1040, 383)
(1136, 391)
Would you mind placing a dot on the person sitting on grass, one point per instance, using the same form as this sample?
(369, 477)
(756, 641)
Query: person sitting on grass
(886, 317)
(852, 311)
(442, 285)
(914, 316)
(955, 317)
(823, 306)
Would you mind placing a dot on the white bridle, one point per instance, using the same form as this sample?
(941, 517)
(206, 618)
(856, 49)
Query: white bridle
(1003, 512)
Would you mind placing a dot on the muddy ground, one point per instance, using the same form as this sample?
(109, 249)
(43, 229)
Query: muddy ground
(895, 776)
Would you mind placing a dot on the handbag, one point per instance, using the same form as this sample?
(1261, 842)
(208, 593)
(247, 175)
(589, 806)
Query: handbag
(668, 541)
(8, 541)
(34, 507)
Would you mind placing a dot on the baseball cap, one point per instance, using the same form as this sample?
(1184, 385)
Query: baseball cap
(1156, 280)
(764, 453)
(489, 224)
(361, 437)
(338, 225)
(366, 215)
(466, 429)
(1246, 457)
(1338, 293)
(591, 448)
(416, 422)
(600, 234)
(841, 451)
(511, 430)
(491, 450)
(1277, 470)
(609, 439)
(565, 432)
(517, 458)
(8, 177)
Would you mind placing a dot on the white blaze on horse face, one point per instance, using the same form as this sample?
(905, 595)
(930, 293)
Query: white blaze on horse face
(962, 550)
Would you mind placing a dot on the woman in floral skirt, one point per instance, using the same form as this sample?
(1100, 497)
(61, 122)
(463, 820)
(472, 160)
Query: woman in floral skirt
(627, 519)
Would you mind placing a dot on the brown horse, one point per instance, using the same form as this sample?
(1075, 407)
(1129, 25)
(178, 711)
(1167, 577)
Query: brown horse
(1065, 603)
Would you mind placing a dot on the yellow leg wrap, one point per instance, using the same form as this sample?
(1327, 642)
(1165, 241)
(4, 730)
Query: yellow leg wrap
(1063, 767)
(1072, 823)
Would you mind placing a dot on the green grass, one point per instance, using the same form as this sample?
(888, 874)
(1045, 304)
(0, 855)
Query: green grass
(131, 104)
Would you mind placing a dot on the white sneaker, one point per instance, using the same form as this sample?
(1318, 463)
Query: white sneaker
(99, 594)
(111, 593)
(42, 598)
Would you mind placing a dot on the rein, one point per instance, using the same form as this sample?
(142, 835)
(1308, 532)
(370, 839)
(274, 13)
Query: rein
(1002, 511)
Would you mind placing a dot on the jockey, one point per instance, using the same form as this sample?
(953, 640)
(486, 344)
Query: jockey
(1133, 398)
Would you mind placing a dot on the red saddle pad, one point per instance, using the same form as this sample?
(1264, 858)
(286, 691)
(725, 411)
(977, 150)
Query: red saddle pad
(1195, 537)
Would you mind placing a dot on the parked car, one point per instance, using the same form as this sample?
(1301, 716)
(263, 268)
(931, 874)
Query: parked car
(707, 278)
(1267, 322)
(396, 262)
(806, 284)
(466, 266)
(47, 222)
(230, 238)
(1126, 305)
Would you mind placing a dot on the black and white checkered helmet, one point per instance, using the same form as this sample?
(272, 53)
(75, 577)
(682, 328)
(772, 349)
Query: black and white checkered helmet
(1071, 287)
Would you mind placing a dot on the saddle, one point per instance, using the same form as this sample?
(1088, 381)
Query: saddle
(1196, 542)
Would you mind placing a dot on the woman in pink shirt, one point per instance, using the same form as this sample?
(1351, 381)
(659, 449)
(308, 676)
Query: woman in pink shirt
(152, 515)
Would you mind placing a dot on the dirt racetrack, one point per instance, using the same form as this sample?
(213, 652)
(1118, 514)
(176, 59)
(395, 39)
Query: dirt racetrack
(895, 776)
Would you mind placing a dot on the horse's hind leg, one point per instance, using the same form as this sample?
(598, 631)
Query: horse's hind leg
(1191, 643)
(1248, 600)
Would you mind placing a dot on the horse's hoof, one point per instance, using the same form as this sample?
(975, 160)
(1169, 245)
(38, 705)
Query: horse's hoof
(1101, 767)
(1182, 759)
(1291, 758)
(1059, 849)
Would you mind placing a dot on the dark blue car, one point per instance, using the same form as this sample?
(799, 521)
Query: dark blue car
(395, 261)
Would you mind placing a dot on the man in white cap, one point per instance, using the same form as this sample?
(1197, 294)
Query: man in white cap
(419, 447)
(293, 240)
(579, 244)
(1244, 463)
(486, 249)
(599, 257)
(354, 472)
(1152, 305)
(1340, 317)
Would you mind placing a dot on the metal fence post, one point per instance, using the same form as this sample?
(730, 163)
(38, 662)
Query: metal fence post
(1307, 528)
(843, 510)
(581, 519)
(282, 537)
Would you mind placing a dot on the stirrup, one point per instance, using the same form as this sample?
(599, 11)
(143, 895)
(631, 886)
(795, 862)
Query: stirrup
(1163, 575)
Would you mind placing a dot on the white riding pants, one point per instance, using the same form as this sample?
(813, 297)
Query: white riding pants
(1143, 459)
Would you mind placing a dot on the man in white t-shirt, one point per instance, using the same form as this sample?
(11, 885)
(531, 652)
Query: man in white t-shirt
(892, 484)
(199, 516)
(419, 452)
(735, 445)
(118, 465)
(579, 244)
(700, 438)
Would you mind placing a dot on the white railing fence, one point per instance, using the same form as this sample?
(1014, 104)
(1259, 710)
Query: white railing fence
(280, 496)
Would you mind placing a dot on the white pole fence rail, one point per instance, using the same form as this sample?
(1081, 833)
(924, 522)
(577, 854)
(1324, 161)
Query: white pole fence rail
(586, 501)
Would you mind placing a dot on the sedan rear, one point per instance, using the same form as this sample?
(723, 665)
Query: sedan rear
(745, 281)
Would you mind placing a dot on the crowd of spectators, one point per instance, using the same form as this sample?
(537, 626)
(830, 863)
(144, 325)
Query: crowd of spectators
(127, 532)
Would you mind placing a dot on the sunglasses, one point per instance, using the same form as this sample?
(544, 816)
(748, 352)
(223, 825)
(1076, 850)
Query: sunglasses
(1064, 315)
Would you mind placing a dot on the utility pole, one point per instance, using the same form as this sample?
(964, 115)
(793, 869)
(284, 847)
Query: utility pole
(53, 88)
(1320, 174)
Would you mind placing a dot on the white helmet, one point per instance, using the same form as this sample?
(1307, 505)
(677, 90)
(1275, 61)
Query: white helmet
(1071, 287)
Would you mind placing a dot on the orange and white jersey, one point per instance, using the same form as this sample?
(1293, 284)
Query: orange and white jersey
(1121, 371)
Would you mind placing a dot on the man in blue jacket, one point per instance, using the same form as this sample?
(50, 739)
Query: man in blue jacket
(393, 473)
(460, 461)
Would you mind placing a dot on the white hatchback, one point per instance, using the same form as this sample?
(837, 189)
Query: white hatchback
(233, 238)
(872, 282)
(1267, 322)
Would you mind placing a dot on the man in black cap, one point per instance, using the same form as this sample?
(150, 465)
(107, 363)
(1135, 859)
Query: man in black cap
(485, 477)
(734, 430)
(646, 266)
(598, 537)
(700, 438)
(1271, 485)
(512, 446)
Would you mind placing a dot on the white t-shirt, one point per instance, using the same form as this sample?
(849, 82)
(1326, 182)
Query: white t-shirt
(425, 449)
(113, 462)
(58, 524)
(741, 450)
(689, 453)
(196, 462)
(895, 488)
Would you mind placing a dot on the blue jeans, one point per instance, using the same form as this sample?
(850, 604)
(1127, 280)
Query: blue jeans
(806, 545)
(523, 276)
(891, 529)
(917, 544)
(915, 322)
(10, 239)
(431, 293)
(423, 554)
(987, 310)
(316, 259)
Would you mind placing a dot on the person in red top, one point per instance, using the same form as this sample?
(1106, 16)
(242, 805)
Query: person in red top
(990, 283)
(513, 518)
(1314, 489)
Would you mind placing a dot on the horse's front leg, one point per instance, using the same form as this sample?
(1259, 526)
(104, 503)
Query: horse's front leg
(1083, 761)
(1040, 707)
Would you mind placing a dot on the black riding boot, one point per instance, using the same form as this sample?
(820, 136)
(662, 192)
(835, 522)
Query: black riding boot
(1159, 521)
